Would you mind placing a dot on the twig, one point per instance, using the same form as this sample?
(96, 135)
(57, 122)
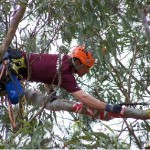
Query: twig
(130, 72)
(139, 82)
(131, 131)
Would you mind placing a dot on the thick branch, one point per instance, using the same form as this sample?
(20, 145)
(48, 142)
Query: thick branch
(38, 99)
(12, 30)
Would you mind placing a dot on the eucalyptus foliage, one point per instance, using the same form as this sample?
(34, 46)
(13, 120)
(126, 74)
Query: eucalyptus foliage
(113, 30)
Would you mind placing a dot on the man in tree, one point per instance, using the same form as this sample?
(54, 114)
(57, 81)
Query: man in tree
(46, 68)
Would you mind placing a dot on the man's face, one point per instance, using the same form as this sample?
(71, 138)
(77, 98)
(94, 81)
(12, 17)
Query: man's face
(83, 70)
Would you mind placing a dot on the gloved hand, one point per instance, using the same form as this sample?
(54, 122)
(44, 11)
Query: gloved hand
(53, 96)
(114, 108)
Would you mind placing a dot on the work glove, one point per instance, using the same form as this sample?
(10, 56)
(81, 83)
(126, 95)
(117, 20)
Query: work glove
(53, 96)
(114, 108)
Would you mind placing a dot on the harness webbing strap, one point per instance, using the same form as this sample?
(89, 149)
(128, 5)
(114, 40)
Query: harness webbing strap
(11, 115)
(2, 71)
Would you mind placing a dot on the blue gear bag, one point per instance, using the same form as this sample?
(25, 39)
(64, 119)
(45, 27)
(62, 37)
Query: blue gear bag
(14, 90)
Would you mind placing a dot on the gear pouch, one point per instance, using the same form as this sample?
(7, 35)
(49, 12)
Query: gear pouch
(14, 90)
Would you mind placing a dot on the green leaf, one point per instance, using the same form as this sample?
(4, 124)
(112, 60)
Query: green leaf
(101, 134)
(109, 128)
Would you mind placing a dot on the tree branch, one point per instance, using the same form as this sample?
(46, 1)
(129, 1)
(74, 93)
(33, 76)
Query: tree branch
(12, 30)
(145, 22)
(131, 131)
(139, 82)
(61, 104)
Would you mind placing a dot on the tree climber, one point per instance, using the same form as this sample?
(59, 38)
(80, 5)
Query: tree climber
(44, 68)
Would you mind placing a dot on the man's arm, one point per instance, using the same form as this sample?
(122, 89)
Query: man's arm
(92, 102)
(89, 100)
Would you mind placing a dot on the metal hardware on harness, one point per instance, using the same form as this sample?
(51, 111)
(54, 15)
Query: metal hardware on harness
(18, 64)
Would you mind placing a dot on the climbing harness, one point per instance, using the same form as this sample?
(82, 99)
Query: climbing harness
(12, 63)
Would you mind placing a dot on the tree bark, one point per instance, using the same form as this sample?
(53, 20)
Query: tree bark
(61, 104)
(145, 21)
(12, 30)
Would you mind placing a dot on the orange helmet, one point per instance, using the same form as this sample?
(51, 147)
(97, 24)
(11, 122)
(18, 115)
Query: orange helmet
(85, 57)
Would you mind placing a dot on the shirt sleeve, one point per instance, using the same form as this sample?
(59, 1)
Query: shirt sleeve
(69, 83)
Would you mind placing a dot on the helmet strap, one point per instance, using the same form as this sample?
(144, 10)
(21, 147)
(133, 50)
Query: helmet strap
(74, 64)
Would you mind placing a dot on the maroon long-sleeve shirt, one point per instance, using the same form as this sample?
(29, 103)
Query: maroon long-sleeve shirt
(43, 69)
